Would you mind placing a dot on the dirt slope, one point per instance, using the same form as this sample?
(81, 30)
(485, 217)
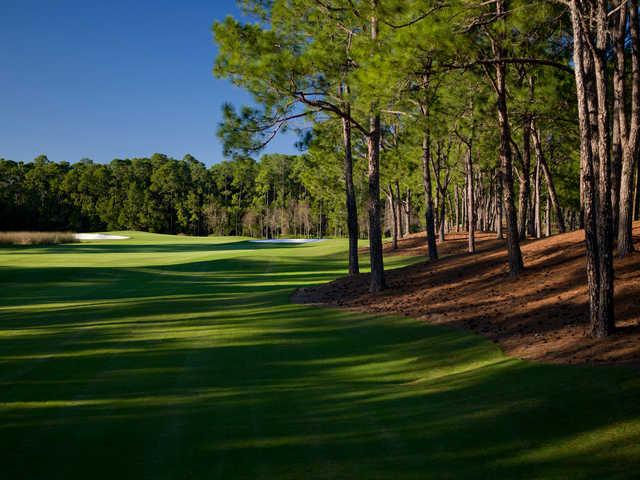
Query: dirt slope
(541, 315)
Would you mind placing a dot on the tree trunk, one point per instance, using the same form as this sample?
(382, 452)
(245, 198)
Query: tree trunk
(524, 192)
(394, 217)
(549, 180)
(625, 221)
(603, 205)
(498, 220)
(587, 203)
(616, 169)
(373, 156)
(441, 212)
(513, 240)
(470, 204)
(547, 218)
(632, 144)
(449, 217)
(352, 208)
(428, 198)
(457, 212)
(536, 206)
(636, 195)
(499, 83)
(399, 206)
(463, 206)
(398, 209)
(375, 230)
(408, 211)
(619, 118)
(616, 139)
(594, 151)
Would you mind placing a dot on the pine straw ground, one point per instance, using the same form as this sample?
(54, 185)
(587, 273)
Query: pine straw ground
(540, 315)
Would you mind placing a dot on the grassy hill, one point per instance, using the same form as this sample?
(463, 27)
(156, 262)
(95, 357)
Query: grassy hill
(177, 357)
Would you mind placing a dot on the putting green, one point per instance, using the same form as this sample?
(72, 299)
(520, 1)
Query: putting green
(174, 357)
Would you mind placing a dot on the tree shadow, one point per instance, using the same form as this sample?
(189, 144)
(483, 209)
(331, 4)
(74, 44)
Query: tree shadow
(203, 370)
(168, 247)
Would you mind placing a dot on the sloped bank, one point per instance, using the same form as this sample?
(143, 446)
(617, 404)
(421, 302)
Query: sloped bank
(539, 316)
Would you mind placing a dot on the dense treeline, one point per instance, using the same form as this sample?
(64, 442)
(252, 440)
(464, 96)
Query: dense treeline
(279, 195)
(507, 115)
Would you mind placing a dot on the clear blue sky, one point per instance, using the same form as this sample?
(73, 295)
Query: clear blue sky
(106, 79)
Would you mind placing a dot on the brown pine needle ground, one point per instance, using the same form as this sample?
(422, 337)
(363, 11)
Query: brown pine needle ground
(540, 315)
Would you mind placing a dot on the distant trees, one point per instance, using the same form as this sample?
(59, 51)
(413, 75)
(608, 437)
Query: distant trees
(278, 195)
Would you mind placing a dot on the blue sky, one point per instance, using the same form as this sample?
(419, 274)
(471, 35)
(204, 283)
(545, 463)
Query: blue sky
(112, 79)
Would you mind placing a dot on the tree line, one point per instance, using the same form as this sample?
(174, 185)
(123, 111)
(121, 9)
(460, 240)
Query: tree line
(506, 115)
(279, 195)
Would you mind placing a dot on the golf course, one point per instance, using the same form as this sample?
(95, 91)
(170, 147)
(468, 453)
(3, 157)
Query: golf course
(166, 356)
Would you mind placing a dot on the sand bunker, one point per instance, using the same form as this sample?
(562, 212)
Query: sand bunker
(98, 236)
(288, 240)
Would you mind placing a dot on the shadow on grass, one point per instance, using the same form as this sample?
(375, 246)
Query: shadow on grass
(168, 247)
(203, 370)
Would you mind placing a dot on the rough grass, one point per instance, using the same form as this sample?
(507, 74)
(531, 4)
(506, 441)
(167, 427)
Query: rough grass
(163, 357)
(36, 238)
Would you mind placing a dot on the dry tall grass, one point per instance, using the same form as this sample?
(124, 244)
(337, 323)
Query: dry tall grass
(36, 238)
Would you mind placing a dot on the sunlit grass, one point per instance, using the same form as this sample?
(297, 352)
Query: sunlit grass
(175, 357)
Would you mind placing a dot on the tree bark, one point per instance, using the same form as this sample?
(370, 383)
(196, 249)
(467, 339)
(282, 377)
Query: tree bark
(549, 180)
(428, 198)
(619, 122)
(375, 230)
(536, 206)
(632, 143)
(498, 213)
(441, 191)
(547, 218)
(524, 191)
(398, 211)
(408, 211)
(373, 157)
(636, 195)
(449, 217)
(457, 204)
(441, 223)
(470, 203)
(604, 223)
(513, 241)
(593, 119)
(463, 206)
(351, 204)
(587, 216)
(394, 217)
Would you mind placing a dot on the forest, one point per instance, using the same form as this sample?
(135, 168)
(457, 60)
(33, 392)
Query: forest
(279, 195)
(519, 117)
(413, 253)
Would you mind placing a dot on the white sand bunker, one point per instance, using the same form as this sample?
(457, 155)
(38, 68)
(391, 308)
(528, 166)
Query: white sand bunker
(288, 240)
(98, 236)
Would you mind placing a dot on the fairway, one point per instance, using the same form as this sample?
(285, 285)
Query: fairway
(167, 357)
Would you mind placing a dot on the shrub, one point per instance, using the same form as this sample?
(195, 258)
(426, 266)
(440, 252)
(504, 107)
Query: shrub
(36, 238)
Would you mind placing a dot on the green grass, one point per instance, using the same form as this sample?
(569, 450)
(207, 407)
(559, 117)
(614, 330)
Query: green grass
(174, 358)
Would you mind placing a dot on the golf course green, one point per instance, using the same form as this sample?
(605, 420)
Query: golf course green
(166, 357)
